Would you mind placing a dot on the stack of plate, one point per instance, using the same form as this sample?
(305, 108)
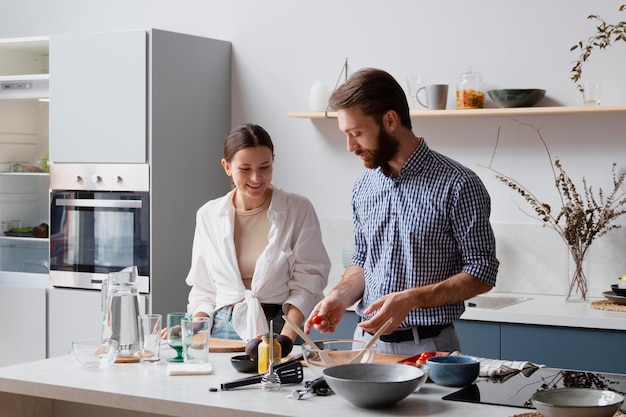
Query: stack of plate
(617, 295)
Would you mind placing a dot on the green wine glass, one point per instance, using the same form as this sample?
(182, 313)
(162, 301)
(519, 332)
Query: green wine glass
(175, 335)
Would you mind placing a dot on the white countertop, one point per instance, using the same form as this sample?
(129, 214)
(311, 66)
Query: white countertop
(549, 310)
(149, 389)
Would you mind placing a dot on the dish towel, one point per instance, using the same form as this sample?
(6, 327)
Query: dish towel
(500, 368)
(189, 369)
(497, 368)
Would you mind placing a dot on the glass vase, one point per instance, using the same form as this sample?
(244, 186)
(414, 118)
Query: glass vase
(577, 283)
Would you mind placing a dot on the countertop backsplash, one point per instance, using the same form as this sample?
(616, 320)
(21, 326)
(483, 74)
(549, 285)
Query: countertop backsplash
(533, 258)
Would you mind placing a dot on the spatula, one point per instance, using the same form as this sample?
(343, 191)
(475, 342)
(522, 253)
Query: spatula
(326, 359)
(289, 372)
(369, 344)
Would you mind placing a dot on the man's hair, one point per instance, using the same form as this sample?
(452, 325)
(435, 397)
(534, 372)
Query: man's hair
(375, 92)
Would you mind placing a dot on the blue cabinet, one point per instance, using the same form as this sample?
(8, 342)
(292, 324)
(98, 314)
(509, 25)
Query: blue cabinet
(557, 347)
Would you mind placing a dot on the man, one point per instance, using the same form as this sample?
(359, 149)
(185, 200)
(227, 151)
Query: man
(423, 241)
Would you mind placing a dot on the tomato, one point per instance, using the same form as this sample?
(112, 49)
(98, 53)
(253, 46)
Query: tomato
(421, 360)
(317, 320)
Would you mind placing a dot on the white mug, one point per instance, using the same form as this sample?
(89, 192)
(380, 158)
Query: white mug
(436, 96)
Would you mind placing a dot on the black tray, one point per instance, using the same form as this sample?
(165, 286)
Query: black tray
(19, 234)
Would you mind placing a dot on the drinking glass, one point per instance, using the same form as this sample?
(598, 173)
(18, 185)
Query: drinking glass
(150, 337)
(196, 337)
(175, 335)
(591, 93)
(414, 82)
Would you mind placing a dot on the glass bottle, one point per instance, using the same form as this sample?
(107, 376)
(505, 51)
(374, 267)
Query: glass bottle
(470, 93)
(264, 352)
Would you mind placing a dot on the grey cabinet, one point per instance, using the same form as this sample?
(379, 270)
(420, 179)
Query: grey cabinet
(556, 347)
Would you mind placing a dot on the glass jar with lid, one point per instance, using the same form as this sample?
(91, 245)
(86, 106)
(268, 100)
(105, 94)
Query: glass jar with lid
(470, 93)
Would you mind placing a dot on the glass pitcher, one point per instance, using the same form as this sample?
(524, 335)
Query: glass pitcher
(120, 304)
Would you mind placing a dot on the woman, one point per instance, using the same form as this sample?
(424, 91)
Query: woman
(257, 251)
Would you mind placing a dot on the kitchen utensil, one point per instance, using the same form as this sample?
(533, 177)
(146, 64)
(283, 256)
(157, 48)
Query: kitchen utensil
(318, 386)
(577, 402)
(453, 371)
(371, 342)
(337, 352)
(290, 372)
(271, 380)
(325, 358)
(120, 304)
(373, 385)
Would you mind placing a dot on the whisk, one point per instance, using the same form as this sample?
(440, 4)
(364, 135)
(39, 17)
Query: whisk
(271, 381)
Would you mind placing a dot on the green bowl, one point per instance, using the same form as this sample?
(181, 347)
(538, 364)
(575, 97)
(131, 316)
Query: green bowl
(517, 97)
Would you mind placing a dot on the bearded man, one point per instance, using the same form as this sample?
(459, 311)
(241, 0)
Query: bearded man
(422, 237)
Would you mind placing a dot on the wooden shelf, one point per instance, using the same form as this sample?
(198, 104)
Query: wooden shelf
(484, 112)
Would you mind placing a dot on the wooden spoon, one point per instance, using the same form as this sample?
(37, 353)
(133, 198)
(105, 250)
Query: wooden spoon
(323, 355)
(369, 344)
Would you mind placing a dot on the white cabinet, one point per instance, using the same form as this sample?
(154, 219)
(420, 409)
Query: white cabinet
(99, 89)
(72, 315)
(23, 146)
(23, 324)
(154, 97)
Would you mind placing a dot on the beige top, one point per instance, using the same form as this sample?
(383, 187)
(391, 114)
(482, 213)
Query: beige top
(252, 228)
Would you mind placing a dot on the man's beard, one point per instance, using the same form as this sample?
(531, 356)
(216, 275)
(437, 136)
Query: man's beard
(387, 148)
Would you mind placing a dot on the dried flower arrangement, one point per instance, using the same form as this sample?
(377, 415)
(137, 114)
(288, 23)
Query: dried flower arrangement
(606, 33)
(586, 217)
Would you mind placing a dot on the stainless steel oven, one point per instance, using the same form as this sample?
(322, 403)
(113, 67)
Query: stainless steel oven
(99, 223)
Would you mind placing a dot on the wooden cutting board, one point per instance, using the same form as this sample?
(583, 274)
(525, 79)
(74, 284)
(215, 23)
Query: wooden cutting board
(388, 358)
(226, 345)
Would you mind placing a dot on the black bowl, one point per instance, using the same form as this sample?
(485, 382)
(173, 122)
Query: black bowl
(517, 97)
(243, 363)
(618, 291)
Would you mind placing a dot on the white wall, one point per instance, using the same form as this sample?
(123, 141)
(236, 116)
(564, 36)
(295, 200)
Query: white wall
(281, 47)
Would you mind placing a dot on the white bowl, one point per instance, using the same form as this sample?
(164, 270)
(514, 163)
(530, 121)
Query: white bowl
(95, 353)
(577, 402)
(328, 353)
(373, 385)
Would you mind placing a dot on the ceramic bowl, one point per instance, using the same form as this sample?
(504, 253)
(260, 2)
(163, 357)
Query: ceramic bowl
(577, 402)
(243, 363)
(453, 371)
(517, 97)
(94, 353)
(327, 353)
(618, 291)
(373, 385)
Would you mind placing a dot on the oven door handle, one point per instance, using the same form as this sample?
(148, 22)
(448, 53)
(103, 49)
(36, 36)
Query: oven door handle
(96, 203)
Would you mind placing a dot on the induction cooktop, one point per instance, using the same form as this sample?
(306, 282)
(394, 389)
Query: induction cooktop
(516, 390)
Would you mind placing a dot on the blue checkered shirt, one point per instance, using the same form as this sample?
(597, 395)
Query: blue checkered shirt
(427, 224)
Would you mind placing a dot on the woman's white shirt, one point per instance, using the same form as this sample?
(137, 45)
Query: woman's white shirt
(292, 270)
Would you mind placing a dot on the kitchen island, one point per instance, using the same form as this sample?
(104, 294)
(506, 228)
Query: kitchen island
(60, 387)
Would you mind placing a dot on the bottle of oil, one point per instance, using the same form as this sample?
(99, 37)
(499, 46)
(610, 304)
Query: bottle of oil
(264, 352)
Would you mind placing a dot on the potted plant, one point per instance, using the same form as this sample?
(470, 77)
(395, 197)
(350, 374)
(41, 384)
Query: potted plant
(583, 216)
(606, 33)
